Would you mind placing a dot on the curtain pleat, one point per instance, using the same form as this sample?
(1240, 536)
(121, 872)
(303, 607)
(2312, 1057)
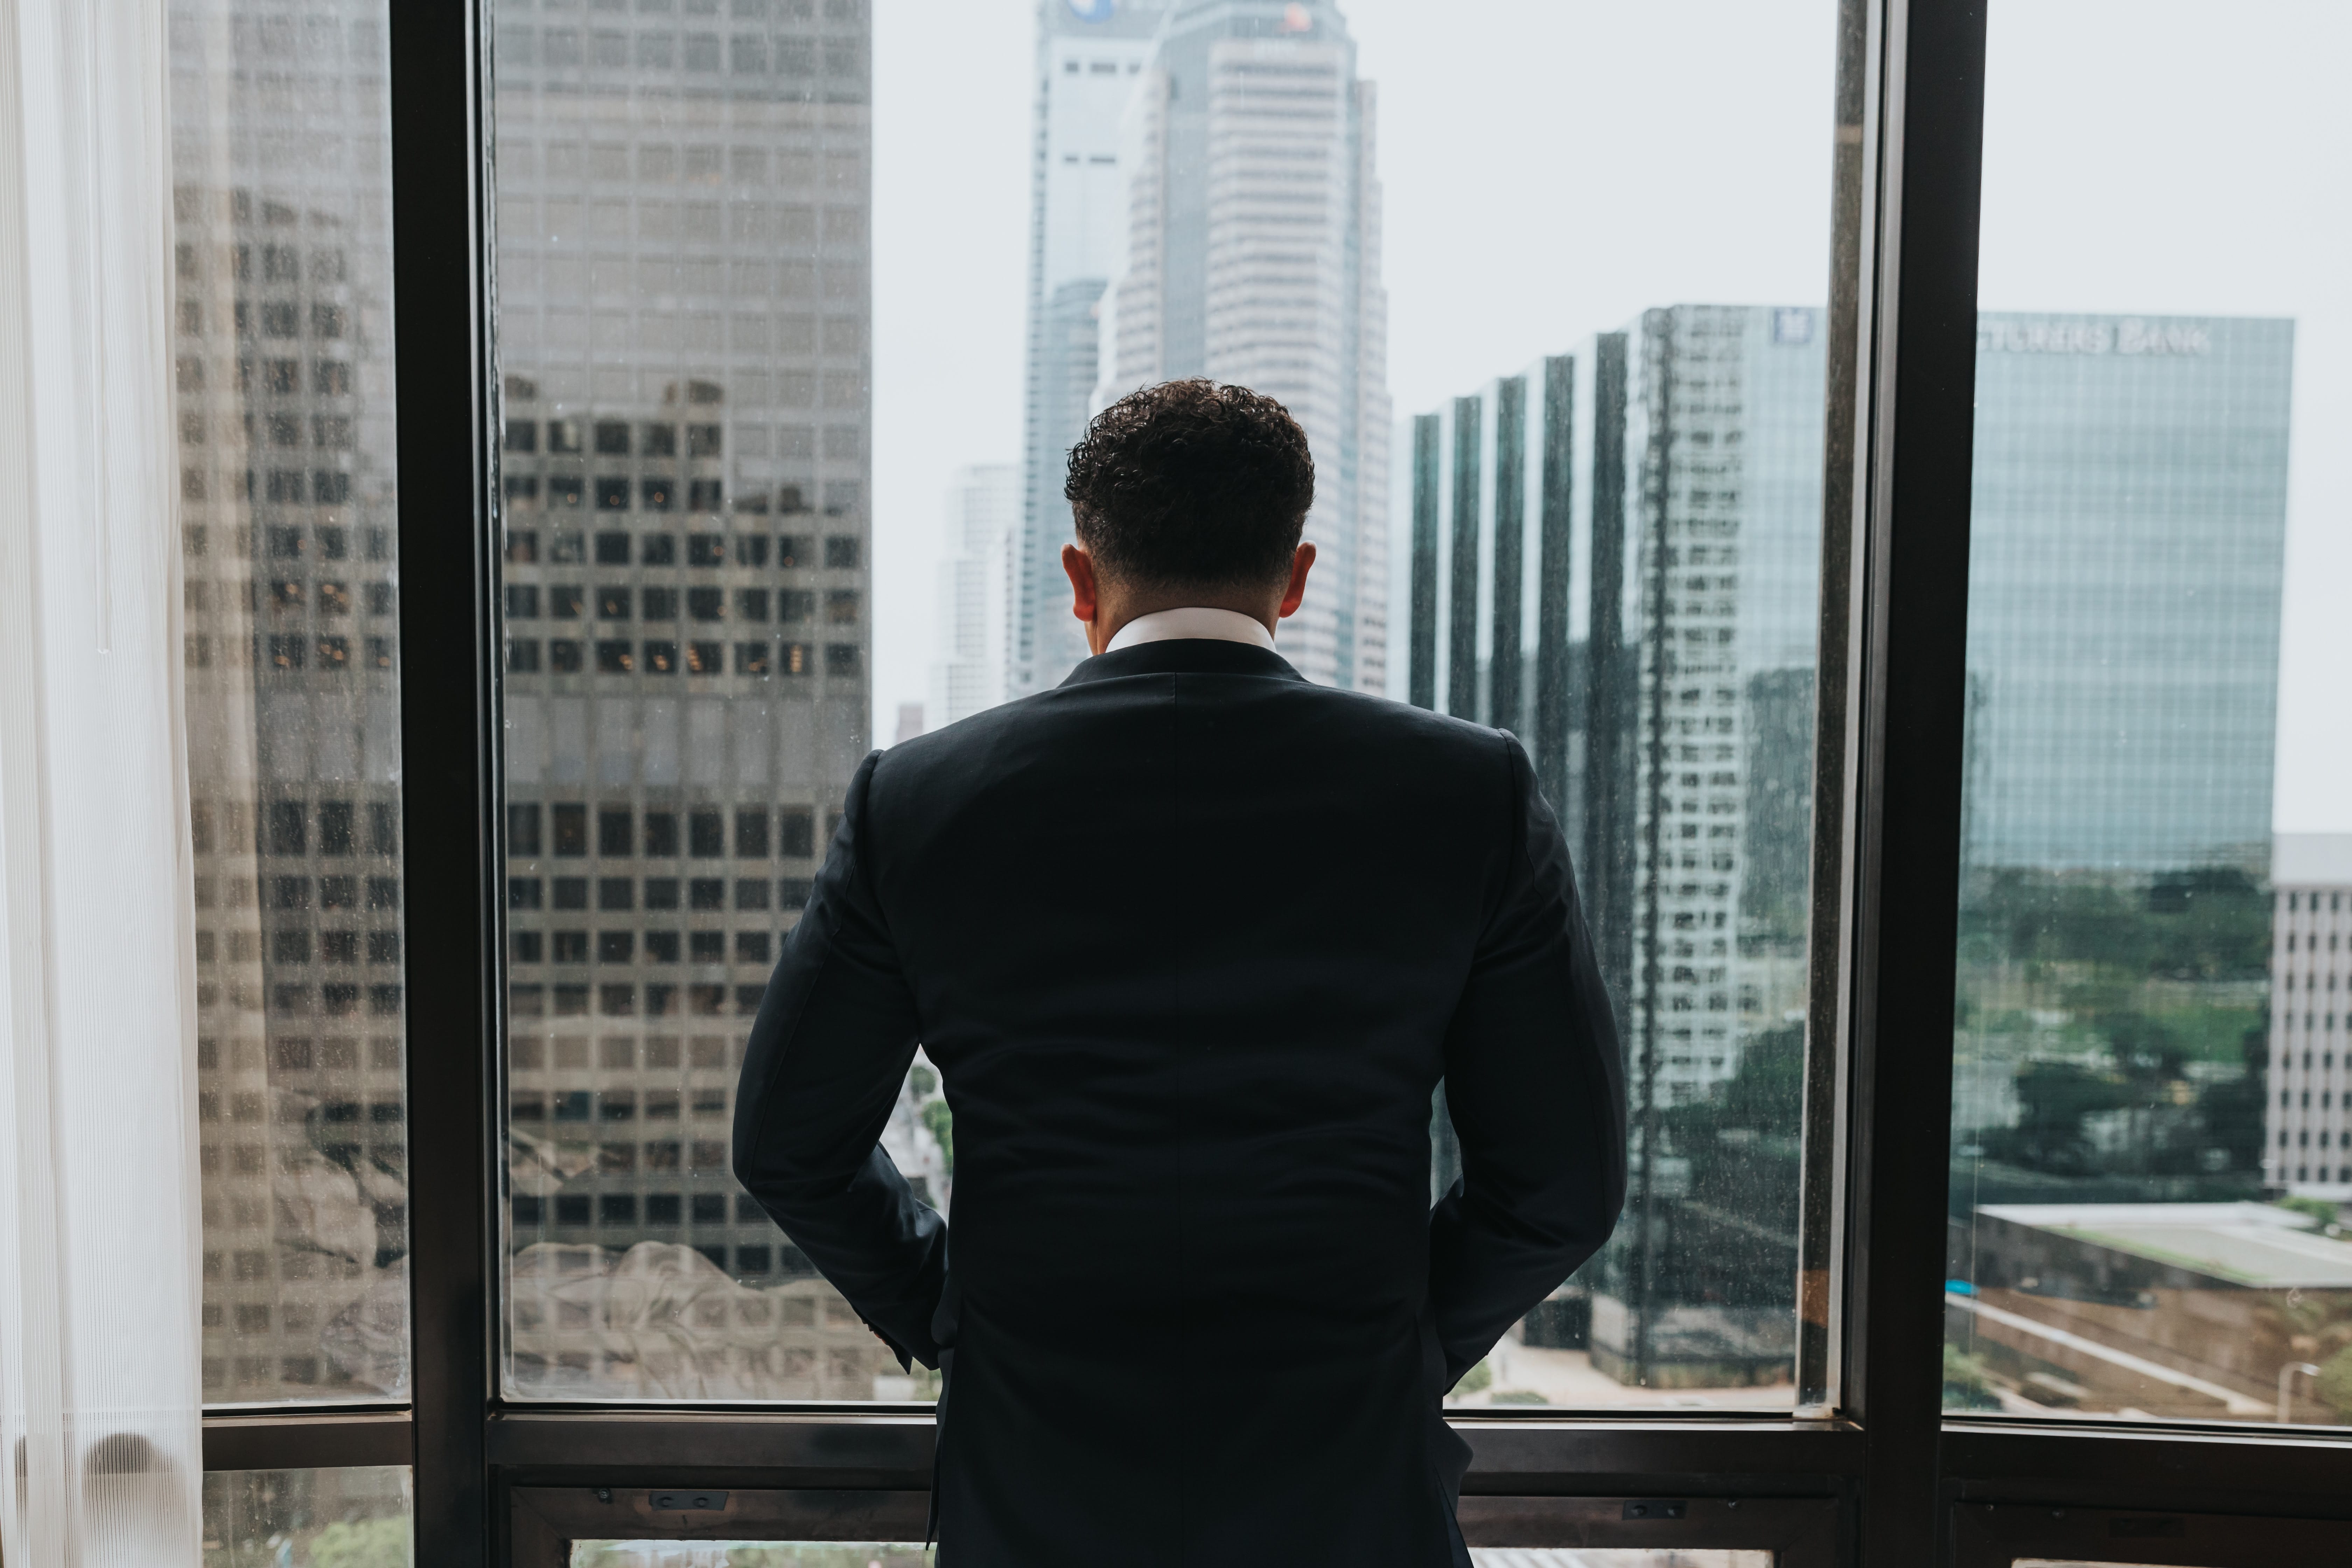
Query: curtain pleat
(100, 1219)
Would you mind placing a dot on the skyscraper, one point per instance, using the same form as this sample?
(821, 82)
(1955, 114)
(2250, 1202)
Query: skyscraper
(2124, 638)
(684, 347)
(1090, 55)
(282, 216)
(1252, 254)
(1614, 555)
(976, 576)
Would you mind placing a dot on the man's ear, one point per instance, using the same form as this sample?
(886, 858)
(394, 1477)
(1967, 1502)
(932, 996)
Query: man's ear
(1086, 598)
(1300, 563)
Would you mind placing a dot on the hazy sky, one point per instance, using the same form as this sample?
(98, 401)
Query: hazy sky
(1553, 167)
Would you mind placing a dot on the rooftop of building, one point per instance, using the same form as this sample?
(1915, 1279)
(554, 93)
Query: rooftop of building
(2311, 860)
(2248, 1243)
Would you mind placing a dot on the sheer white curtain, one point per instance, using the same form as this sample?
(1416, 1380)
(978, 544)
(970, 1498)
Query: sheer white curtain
(99, 1230)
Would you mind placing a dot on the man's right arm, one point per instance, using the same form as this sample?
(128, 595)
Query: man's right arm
(1536, 1089)
(828, 1052)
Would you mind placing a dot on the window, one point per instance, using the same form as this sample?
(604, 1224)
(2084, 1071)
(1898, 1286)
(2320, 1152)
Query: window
(293, 748)
(2145, 1201)
(1584, 495)
(356, 1515)
(1723, 1045)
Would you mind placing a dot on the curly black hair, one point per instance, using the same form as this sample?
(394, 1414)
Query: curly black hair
(1192, 484)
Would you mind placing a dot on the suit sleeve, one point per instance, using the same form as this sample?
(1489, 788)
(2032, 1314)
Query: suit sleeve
(1536, 1088)
(834, 1036)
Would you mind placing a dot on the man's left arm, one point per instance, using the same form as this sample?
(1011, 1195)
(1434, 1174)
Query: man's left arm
(834, 1036)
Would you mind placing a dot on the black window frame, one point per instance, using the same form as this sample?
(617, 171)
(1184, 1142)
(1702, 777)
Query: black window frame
(1868, 1468)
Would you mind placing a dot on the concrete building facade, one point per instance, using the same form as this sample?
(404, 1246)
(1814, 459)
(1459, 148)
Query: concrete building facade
(2308, 1135)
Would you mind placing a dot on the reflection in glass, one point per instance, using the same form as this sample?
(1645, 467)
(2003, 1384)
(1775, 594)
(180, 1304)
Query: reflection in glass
(281, 208)
(356, 1518)
(2149, 1156)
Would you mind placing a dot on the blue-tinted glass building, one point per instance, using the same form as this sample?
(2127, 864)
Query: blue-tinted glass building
(2126, 555)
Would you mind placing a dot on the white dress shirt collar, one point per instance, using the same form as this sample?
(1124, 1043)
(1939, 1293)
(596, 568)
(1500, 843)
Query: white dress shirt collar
(1193, 621)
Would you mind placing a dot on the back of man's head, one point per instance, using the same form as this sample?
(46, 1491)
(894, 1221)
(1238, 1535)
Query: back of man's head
(1192, 484)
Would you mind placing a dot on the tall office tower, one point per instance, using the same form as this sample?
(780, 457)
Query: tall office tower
(1614, 555)
(1252, 256)
(684, 341)
(283, 231)
(2307, 1130)
(1090, 54)
(976, 576)
(2124, 645)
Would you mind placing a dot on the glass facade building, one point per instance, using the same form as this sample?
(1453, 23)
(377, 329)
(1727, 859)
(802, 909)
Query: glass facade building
(1614, 555)
(2126, 543)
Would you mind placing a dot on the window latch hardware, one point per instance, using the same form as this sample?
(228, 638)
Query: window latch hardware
(1655, 1508)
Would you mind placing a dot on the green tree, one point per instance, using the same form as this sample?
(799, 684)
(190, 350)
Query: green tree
(2335, 1382)
(1966, 1387)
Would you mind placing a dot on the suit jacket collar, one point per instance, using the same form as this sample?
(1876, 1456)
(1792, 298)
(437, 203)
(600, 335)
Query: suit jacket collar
(1184, 656)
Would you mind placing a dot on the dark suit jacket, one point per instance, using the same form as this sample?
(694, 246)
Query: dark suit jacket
(1192, 941)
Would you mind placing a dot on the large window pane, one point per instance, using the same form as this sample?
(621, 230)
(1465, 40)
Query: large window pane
(684, 324)
(726, 572)
(284, 414)
(356, 1518)
(2150, 1121)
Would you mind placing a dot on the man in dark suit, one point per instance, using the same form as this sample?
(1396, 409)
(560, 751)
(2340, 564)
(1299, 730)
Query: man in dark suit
(1191, 942)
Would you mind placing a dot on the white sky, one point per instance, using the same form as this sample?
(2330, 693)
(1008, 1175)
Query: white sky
(1553, 167)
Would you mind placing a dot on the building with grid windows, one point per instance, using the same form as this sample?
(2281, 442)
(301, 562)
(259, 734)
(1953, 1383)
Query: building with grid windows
(1252, 254)
(2126, 551)
(684, 347)
(282, 218)
(2308, 1135)
(1090, 54)
(1614, 555)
